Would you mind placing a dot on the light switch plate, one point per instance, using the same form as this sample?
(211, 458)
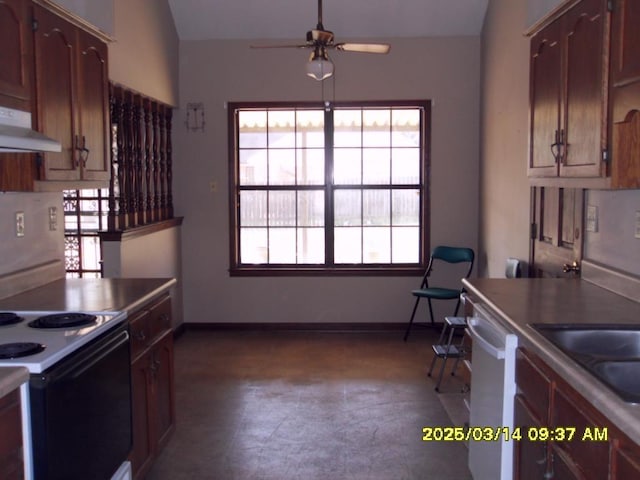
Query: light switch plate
(53, 219)
(19, 224)
(637, 235)
(592, 218)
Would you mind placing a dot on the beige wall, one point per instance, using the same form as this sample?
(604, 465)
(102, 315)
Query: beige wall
(505, 99)
(144, 56)
(40, 245)
(445, 70)
(156, 255)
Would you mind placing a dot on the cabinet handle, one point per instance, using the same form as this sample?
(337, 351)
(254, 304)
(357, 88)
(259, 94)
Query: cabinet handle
(141, 336)
(558, 148)
(563, 148)
(76, 157)
(164, 318)
(555, 147)
(84, 152)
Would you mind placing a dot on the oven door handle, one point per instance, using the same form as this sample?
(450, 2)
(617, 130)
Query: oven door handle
(98, 354)
(481, 341)
(76, 365)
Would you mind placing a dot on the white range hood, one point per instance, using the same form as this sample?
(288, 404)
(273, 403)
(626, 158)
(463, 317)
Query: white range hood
(16, 134)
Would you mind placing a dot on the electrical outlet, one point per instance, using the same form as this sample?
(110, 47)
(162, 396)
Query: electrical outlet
(19, 224)
(213, 186)
(53, 219)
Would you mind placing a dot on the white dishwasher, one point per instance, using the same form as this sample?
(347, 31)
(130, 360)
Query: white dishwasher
(493, 388)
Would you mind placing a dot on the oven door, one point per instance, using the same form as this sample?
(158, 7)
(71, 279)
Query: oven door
(81, 411)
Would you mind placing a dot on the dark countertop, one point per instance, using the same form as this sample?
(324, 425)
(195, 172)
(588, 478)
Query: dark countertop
(11, 378)
(518, 303)
(89, 295)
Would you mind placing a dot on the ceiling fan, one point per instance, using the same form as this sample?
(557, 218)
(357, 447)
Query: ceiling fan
(320, 41)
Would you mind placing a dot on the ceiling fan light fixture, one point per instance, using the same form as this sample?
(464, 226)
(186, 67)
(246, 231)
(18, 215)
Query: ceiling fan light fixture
(319, 67)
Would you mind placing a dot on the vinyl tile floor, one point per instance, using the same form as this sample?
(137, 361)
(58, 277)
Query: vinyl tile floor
(284, 405)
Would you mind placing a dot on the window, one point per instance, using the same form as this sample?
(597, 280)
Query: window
(85, 214)
(336, 189)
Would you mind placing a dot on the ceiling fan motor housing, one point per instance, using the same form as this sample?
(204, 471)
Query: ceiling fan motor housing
(322, 37)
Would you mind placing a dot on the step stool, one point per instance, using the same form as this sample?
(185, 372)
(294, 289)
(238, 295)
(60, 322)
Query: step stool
(449, 349)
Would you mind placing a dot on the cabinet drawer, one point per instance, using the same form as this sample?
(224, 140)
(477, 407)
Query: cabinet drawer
(160, 317)
(533, 383)
(140, 331)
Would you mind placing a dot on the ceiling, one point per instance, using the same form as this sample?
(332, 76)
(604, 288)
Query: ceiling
(348, 19)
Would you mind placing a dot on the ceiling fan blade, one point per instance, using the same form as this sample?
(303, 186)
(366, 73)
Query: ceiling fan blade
(281, 46)
(363, 47)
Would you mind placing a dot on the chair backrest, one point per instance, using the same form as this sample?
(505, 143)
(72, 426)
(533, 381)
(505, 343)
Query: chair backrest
(453, 254)
(450, 255)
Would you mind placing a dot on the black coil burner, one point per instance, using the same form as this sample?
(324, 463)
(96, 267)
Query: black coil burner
(19, 349)
(63, 320)
(9, 318)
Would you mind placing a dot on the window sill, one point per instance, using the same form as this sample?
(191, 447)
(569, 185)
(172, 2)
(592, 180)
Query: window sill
(350, 271)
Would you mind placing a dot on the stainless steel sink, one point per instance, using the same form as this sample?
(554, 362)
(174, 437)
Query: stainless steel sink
(623, 377)
(594, 342)
(610, 352)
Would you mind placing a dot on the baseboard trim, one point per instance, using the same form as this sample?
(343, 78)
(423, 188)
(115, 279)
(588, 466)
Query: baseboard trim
(179, 331)
(302, 327)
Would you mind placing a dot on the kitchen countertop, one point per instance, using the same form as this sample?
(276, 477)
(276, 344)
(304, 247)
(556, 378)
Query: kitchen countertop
(89, 295)
(11, 378)
(518, 303)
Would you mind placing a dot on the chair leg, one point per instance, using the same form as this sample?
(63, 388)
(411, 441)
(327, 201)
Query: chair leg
(413, 314)
(431, 312)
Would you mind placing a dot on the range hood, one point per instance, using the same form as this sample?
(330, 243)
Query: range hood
(16, 134)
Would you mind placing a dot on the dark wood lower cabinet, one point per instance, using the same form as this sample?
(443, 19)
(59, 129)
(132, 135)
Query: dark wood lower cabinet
(11, 463)
(530, 458)
(152, 384)
(548, 405)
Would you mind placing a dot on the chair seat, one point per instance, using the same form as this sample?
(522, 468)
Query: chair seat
(437, 293)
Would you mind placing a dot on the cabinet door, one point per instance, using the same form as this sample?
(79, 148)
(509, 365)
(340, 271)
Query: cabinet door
(11, 466)
(563, 468)
(625, 62)
(164, 390)
(141, 396)
(585, 110)
(591, 456)
(55, 53)
(545, 100)
(530, 458)
(93, 106)
(15, 54)
(625, 462)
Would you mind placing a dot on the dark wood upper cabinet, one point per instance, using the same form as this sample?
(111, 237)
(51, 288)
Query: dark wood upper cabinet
(585, 97)
(625, 79)
(72, 99)
(15, 55)
(56, 48)
(625, 61)
(568, 95)
(545, 101)
(93, 100)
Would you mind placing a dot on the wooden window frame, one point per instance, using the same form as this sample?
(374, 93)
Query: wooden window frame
(364, 269)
